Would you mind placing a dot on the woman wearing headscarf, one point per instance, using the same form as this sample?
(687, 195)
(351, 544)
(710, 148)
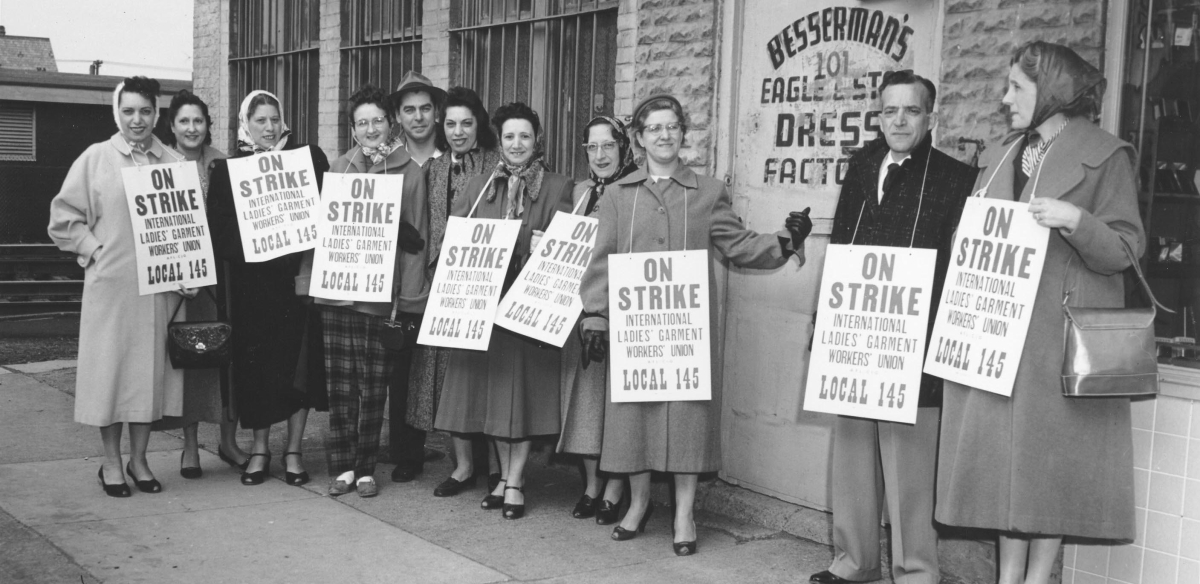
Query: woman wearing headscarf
(610, 158)
(124, 375)
(271, 380)
(191, 136)
(1037, 466)
(665, 206)
(510, 391)
(466, 133)
(357, 366)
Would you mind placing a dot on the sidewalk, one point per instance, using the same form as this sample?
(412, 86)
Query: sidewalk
(57, 526)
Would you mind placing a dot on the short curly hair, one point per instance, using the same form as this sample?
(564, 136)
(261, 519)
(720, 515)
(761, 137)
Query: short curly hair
(485, 136)
(185, 97)
(143, 86)
(368, 95)
(516, 111)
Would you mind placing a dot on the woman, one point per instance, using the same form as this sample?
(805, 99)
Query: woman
(610, 158)
(1037, 466)
(665, 206)
(191, 137)
(357, 366)
(124, 375)
(267, 370)
(510, 391)
(467, 134)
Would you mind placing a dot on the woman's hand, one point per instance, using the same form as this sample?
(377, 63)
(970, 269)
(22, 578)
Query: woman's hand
(1055, 214)
(534, 239)
(188, 293)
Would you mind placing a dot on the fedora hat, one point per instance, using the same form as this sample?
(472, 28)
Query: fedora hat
(414, 81)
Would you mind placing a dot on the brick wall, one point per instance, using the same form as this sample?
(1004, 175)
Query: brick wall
(435, 42)
(329, 85)
(675, 53)
(980, 37)
(210, 73)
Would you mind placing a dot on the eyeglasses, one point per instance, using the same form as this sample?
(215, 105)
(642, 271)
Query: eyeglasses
(373, 122)
(608, 146)
(656, 129)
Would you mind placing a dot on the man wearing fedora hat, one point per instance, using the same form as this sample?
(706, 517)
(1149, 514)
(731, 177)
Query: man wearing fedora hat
(417, 105)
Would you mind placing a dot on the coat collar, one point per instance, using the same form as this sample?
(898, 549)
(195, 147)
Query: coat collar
(359, 163)
(1081, 143)
(156, 147)
(683, 175)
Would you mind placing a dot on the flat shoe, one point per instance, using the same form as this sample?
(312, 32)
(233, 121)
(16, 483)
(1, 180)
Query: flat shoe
(367, 488)
(148, 486)
(452, 486)
(120, 490)
(338, 488)
(189, 472)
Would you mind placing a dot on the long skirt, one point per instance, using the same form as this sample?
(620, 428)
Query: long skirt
(201, 387)
(582, 401)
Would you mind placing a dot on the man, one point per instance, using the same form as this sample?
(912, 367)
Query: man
(886, 185)
(416, 104)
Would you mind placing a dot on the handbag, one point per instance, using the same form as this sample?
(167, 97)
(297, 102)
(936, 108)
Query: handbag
(400, 335)
(200, 344)
(1111, 352)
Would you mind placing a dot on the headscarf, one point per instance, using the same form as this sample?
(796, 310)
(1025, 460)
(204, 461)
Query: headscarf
(624, 159)
(245, 140)
(520, 180)
(1065, 82)
(117, 118)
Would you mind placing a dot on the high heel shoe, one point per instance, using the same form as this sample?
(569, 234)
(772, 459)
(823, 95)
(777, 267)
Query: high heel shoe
(231, 462)
(294, 479)
(683, 548)
(119, 490)
(608, 512)
(257, 477)
(621, 534)
(189, 472)
(492, 502)
(514, 511)
(148, 486)
(586, 507)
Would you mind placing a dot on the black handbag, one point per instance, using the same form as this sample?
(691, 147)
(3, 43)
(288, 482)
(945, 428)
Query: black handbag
(200, 344)
(1111, 352)
(400, 335)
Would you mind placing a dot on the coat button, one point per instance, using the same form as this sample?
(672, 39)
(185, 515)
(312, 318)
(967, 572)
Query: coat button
(662, 210)
(661, 240)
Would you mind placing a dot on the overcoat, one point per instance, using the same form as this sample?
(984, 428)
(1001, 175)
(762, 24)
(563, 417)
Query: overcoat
(583, 390)
(268, 318)
(445, 182)
(679, 436)
(1038, 462)
(511, 389)
(124, 374)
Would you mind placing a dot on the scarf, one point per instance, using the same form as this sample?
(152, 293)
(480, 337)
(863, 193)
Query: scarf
(1035, 149)
(245, 142)
(521, 181)
(1064, 81)
(624, 159)
(377, 154)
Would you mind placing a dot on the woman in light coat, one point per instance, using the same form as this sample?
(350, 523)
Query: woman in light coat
(665, 206)
(1037, 465)
(124, 375)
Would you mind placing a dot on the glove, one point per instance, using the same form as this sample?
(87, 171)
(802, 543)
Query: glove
(409, 239)
(595, 347)
(799, 225)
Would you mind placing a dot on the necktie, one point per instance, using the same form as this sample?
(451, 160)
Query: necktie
(894, 173)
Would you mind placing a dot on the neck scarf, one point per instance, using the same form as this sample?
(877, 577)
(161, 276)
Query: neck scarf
(521, 181)
(624, 159)
(141, 147)
(245, 142)
(378, 153)
(1035, 149)
(1064, 81)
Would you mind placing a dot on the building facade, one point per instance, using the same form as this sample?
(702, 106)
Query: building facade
(778, 95)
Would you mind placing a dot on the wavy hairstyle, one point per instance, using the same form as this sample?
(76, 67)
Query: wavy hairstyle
(185, 97)
(485, 137)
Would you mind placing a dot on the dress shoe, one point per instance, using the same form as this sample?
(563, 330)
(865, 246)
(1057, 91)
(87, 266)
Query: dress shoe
(828, 577)
(452, 486)
(294, 479)
(257, 477)
(147, 486)
(493, 480)
(621, 534)
(683, 548)
(119, 490)
(366, 487)
(514, 510)
(405, 472)
(231, 462)
(586, 507)
(607, 513)
(189, 472)
(491, 502)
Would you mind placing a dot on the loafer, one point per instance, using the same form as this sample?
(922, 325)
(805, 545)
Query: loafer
(338, 488)
(405, 472)
(452, 486)
(366, 487)
(828, 577)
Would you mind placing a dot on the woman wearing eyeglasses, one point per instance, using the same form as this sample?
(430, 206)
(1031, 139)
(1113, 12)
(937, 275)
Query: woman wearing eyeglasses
(510, 391)
(357, 366)
(610, 158)
(467, 134)
(665, 206)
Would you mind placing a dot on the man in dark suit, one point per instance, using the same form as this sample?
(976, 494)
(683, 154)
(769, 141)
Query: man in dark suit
(899, 191)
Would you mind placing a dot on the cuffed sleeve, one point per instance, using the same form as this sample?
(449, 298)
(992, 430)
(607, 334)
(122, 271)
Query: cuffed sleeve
(743, 247)
(1114, 217)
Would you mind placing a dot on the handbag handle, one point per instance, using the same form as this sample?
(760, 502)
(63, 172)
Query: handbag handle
(1137, 269)
(183, 299)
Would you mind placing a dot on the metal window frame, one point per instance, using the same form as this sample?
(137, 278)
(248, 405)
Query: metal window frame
(378, 55)
(548, 69)
(31, 155)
